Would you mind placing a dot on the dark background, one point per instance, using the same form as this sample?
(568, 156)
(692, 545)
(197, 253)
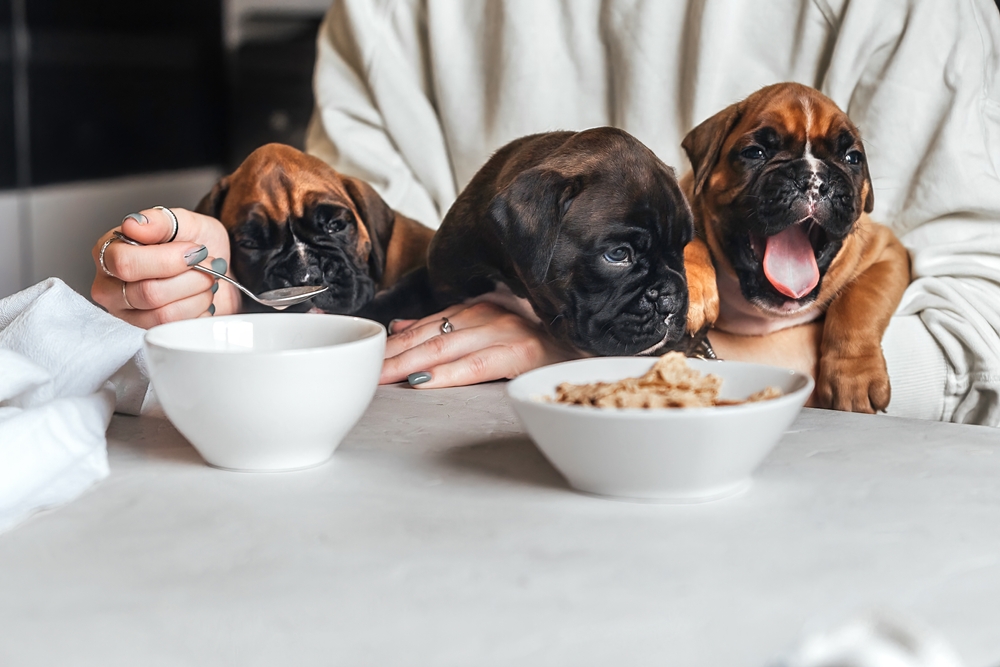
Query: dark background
(6, 99)
(110, 88)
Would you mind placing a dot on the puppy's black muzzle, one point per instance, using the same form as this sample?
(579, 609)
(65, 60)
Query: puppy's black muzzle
(801, 189)
(808, 192)
(350, 288)
(648, 315)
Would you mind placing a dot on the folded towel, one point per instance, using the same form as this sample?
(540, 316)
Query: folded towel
(57, 353)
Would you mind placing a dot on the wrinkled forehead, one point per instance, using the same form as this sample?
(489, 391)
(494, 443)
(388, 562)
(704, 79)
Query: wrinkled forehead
(281, 183)
(797, 121)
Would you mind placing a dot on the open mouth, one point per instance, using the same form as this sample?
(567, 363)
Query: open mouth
(788, 258)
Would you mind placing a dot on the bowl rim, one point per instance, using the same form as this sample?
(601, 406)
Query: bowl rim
(799, 395)
(379, 332)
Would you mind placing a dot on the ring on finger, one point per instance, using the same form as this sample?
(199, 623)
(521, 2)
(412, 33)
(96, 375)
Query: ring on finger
(125, 296)
(100, 256)
(446, 326)
(173, 216)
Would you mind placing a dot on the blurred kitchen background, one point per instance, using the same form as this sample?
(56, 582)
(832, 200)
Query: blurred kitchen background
(110, 106)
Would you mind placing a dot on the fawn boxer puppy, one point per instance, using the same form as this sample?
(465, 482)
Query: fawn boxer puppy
(780, 191)
(582, 232)
(293, 220)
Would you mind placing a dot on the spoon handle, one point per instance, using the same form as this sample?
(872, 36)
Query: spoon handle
(131, 241)
(222, 276)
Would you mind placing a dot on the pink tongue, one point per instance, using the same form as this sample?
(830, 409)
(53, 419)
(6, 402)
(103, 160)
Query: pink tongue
(789, 262)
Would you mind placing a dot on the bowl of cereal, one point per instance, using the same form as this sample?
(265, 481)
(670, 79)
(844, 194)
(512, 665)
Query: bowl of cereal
(667, 430)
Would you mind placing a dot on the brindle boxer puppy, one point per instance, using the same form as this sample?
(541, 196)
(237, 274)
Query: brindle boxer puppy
(582, 232)
(293, 220)
(781, 192)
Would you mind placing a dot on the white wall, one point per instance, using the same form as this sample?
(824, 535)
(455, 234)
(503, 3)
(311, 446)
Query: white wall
(66, 220)
(10, 243)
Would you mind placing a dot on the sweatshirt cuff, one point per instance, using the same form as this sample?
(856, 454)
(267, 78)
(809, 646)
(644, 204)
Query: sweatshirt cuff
(918, 371)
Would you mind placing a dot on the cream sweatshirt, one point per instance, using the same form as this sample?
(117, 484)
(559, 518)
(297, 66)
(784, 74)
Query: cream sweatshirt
(414, 95)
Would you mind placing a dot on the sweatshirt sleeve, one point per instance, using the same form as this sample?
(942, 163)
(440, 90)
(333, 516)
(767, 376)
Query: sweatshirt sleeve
(923, 86)
(374, 116)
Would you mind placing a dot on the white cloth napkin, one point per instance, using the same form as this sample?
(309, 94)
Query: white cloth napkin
(57, 353)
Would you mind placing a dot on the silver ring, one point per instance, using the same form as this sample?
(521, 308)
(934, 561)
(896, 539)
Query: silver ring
(446, 326)
(100, 257)
(125, 296)
(174, 217)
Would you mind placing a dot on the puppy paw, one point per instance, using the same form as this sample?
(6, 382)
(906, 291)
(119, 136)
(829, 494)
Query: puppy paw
(703, 294)
(853, 384)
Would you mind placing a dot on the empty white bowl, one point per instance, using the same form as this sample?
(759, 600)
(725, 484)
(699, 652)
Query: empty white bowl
(268, 391)
(664, 454)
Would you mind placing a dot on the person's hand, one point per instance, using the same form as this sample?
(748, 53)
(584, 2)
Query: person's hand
(158, 284)
(796, 348)
(486, 343)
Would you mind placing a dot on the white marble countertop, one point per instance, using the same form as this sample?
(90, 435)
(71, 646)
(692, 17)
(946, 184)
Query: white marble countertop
(438, 535)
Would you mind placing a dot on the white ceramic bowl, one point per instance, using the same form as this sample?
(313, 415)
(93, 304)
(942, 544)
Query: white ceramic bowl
(268, 391)
(669, 454)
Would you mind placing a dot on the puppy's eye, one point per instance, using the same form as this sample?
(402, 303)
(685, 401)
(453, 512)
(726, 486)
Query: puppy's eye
(854, 158)
(331, 219)
(619, 255)
(753, 153)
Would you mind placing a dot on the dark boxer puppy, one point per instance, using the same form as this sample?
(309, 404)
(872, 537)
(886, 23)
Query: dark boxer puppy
(781, 192)
(293, 220)
(583, 232)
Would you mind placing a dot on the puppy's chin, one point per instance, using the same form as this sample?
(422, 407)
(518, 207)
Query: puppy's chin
(625, 333)
(348, 291)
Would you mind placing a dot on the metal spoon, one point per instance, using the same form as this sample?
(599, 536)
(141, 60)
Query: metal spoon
(279, 299)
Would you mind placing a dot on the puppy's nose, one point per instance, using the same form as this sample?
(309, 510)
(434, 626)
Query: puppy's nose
(812, 182)
(310, 275)
(665, 299)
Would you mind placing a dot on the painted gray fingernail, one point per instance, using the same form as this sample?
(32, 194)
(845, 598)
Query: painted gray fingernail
(215, 287)
(219, 265)
(211, 309)
(139, 218)
(418, 378)
(196, 256)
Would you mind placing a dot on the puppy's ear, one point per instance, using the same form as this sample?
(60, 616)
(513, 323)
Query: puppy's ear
(703, 143)
(527, 215)
(211, 204)
(377, 218)
(870, 197)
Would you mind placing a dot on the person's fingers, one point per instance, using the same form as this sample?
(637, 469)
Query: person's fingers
(451, 311)
(399, 326)
(185, 309)
(153, 225)
(442, 348)
(493, 363)
(153, 294)
(460, 316)
(133, 263)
